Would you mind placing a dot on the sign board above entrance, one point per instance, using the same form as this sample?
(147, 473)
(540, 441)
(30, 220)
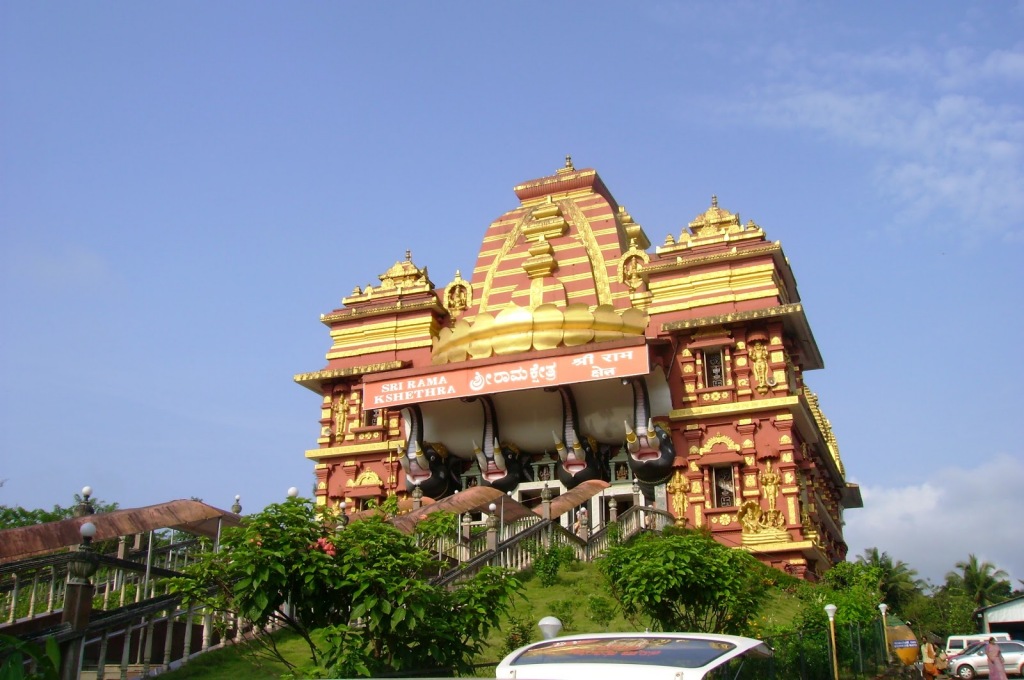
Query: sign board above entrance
(506, 377)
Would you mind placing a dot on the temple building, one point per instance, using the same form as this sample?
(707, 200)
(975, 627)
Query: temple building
(575, 350)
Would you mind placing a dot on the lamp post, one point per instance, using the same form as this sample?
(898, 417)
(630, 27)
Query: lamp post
(830, 609)
(343, 516)
(884, 608)
(492, 527)
(292, 492)
(85, 507)
(500, 512)
(549, 627)
(78, 601)
(465, 536)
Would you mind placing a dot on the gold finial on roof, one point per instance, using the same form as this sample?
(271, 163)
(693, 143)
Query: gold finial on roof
(569, 167)
(715, 220)
(408, 255)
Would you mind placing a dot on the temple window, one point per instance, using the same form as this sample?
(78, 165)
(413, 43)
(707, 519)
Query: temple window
(371, 417)
(722, 487)
(714, 368)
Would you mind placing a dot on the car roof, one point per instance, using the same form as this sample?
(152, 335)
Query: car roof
(636, 655)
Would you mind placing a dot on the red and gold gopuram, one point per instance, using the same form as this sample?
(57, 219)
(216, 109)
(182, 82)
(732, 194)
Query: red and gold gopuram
(575, 351)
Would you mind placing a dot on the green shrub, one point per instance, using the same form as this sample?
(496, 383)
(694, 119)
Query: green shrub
(600, 610)
(565, 611)
(547, 562)
(518, 632)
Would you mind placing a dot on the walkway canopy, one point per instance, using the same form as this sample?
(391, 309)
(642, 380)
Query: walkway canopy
(480, 498)
(193, 517)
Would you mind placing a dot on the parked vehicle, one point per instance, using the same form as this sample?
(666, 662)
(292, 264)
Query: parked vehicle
(640, 656)
(973, 662)
(957, 644)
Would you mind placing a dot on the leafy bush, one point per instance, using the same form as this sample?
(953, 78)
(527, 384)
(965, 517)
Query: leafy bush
(357, 596)
(565, 611)
(686, 582)
(547, 562)
(15, 655)
(600, 610)
(518, 632)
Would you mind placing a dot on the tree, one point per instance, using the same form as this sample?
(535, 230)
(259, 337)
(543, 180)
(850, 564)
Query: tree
(437, 529)
(982, 582)
(946, 612)
(16, 654)
(897, 582)
(852, 587)
(15, 516)
(686, 581)
(357, 595)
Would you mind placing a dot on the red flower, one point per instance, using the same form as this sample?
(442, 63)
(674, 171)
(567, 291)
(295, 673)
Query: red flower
(325, 546)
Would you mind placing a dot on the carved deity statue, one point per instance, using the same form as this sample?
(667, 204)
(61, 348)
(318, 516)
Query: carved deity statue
(759, 357)
(677, 490)
(457, 298)
(770, 485)
(631, 273)
(339, 410)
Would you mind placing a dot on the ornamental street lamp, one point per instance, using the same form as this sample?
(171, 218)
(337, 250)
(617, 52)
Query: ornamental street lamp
(885, 631)
(492, 527)
(549, 627)
(84, 563)
(84, 507)
(830, 609)
(343, 516)
(78, 601)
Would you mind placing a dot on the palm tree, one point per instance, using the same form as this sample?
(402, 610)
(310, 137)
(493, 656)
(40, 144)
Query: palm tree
(981, 581)
(897, 582)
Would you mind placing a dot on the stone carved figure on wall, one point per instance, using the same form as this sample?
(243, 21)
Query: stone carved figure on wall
(749, 516)
(339, 416)
(677, 490)
(457, 298)
(759, 358)
(752, 516)
(770, 485)
(631, 273)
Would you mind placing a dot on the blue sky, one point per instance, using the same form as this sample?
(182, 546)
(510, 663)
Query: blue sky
(185, 187)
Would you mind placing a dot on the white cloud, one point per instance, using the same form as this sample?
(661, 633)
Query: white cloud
(952, 513)
(946, 137)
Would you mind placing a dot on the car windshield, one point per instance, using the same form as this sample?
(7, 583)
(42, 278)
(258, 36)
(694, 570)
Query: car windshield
(973, 649)
(653, 651)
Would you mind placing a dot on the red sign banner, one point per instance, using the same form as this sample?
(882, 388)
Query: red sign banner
(506, 377)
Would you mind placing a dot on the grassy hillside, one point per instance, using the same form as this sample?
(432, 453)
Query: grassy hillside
(572, 600)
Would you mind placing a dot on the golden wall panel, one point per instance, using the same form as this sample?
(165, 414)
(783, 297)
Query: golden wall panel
(736, 407)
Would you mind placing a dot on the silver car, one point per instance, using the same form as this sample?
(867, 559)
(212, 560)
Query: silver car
(640, 656)
(973, 661)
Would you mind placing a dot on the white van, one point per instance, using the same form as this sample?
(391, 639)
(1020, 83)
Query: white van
(958, 643)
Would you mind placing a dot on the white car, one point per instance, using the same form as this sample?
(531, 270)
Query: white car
(639, 656)
(973, 662)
